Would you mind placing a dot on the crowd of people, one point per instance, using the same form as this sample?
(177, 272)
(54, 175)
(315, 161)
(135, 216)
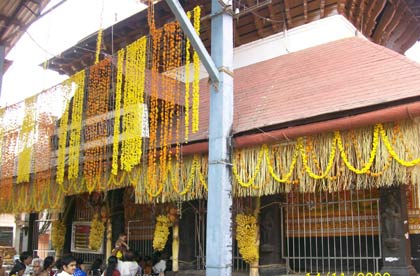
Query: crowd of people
(123, 262)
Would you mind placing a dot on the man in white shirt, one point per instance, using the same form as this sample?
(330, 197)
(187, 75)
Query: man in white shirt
(129, 267)
(68, 264)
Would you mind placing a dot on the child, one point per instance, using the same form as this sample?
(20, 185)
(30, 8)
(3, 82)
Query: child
(120, 246)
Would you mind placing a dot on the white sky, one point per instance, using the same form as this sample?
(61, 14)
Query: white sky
(56, 32)
(61, 29)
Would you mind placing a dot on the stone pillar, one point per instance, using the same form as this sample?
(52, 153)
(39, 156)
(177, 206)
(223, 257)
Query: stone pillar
(395, 238)
(270, 237)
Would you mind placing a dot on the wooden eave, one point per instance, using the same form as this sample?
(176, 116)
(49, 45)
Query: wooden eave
(392, 23)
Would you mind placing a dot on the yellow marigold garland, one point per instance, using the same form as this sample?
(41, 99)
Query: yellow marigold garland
(100, 35)
(246, 236)
(58, 234)
(367, 165)
(160, 237)
(131, 148)
(96, 235)
(118, 89)
(26, 141)
(330, 159)
(76, 124)
(62, 141)
(392, 152)
(187, 83)
(196, 81)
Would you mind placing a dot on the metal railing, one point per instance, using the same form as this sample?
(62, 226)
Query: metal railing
(336, 232)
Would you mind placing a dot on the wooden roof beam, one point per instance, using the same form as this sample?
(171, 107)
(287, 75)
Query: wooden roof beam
(399, 30)
(411, 40)
(322, 9)
(352, 10)
(361, 15)
(305, 10)
(373, 14)
(407, 32)
(394, 22)
(274, 19)
(288, 16)
(389, 13)
(257, 20)
(341, 6)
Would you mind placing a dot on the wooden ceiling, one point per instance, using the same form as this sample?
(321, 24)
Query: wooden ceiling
(392, 23)
(15, 17)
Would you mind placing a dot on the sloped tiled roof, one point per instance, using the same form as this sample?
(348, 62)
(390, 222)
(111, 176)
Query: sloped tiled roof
(330, 80)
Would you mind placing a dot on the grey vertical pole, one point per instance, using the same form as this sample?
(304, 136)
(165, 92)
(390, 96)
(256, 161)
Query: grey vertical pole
(219, 204)
(2, 57)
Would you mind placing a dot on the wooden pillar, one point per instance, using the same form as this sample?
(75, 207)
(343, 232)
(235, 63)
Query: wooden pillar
(108, 237)
(395, 237)
(175, 246)
(254, 266)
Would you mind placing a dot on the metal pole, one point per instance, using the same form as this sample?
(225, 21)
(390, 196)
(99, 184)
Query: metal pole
(196, 42)
(219, 204)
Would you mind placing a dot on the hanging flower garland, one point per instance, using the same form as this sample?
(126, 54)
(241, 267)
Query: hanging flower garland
(246, 236)
(152, 177)
(118, 90)
(96, 234)
(100, 34)
(58, 234)
(62, 133)
(160, 236)
(131, 146)
(76, 124)
(187, 83)
(97, 104)
(196, 81)
(26, 141)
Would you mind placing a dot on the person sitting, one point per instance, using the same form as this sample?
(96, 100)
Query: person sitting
(112, 270)
(129, 267)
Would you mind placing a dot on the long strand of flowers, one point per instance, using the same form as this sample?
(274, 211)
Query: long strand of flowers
(118, 89)
(26, 141)
(152, 189)
(131, 149)
(187, 83)
(62, 142)
(196, 81)
(100, 35)
(76, 124)
(97, 104)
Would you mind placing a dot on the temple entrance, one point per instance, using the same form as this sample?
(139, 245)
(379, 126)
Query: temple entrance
(332, 232)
